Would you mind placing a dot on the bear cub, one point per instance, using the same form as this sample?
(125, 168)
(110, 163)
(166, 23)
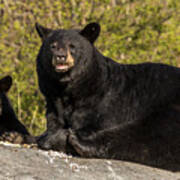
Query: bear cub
(97, 108)
(11, 129)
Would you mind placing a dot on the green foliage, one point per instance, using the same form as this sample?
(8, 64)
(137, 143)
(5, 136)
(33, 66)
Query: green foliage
(133, 31)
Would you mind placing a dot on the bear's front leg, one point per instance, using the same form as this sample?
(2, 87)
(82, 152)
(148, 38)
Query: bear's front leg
(114, 143)
(55, 136)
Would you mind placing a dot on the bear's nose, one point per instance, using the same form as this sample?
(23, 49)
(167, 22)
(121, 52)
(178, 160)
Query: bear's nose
(60, 58)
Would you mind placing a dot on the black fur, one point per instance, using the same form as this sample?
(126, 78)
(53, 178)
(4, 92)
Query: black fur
(104, 109)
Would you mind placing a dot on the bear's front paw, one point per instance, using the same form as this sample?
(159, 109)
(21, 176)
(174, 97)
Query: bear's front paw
(77, 145)
(44, 142)
(55, 141)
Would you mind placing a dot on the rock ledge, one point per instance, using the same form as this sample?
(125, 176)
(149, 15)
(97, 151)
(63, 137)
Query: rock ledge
(19, 163)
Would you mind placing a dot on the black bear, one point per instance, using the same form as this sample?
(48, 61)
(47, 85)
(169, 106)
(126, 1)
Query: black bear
(11, 129)
(99, 108)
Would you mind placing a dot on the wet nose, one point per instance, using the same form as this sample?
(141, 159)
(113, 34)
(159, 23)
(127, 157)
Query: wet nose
(60, 58)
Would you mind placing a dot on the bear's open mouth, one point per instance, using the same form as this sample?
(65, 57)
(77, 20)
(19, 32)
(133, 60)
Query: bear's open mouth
(62, 67)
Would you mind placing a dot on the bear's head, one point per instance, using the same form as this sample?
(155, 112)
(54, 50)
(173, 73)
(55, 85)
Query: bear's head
(63, 49)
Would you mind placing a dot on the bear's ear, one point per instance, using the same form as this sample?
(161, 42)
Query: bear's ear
(42, 31)
(5, 83)
(91, 32)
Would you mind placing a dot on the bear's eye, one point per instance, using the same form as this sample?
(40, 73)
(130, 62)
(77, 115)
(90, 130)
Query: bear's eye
(72, 48)
(53, 45)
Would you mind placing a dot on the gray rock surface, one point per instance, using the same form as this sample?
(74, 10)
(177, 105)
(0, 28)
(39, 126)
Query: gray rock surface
(18, 163)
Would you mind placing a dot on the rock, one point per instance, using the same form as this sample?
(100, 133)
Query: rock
(19, 163)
